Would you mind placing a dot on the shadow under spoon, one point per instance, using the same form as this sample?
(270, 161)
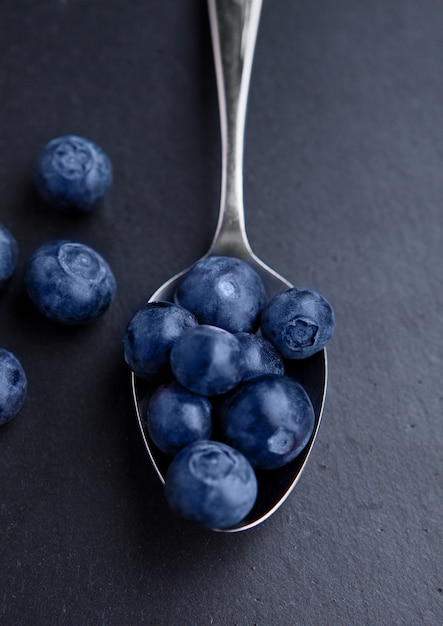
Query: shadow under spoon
(234, 25)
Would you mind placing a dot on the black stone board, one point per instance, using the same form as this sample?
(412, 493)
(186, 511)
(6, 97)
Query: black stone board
(343, 193)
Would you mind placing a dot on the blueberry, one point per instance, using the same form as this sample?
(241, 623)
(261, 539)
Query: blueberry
(298, 322)
(150, 335)
(223, 291)
(260, 357)
(69, 282)
(269, 419)
(177, 417)
(8, 255)
(211, 484)
(13, 386)
(72, 173)
(207, 360)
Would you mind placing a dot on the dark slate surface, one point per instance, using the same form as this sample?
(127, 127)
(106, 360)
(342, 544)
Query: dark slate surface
(344, 193)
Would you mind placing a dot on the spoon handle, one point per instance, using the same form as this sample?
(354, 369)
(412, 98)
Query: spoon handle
(234, 25)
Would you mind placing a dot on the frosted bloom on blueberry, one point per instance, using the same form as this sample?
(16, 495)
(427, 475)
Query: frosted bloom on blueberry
(269, 419)
(207, 360)
(223, 291)
(259, 356)
(13, 386)
(69, 282)
(72, 173)
(211, 484)
(8, 255)
(298, 322)
(177, 417)
(150, 335)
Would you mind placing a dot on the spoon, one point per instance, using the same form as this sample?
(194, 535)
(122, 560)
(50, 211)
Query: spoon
(234, 25)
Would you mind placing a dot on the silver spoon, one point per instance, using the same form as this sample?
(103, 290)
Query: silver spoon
(234, 25)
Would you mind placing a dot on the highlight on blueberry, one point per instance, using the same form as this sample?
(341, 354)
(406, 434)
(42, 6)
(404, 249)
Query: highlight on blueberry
(150, 334)
(299, 322)
(69, 282)
(223, 291)
(211, 484)
(177, 417)
(207, 360)
(13, 386)
(269, 419)
(72, 173)
(8, 255)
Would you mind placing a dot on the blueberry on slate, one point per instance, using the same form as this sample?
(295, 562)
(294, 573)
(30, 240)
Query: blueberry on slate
(69, 282)
(211, 484)
(72, 173)
(150, 334)
(207, 360)
(223, 291)
(260, 357)
(13, 386)
(269, 419)
(298, 322)
(177, 417)
(8, 255)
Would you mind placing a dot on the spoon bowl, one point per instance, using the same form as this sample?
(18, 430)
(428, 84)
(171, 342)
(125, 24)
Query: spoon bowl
(234, 25)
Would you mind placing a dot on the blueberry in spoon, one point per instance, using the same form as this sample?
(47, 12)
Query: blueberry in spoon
(234, 25)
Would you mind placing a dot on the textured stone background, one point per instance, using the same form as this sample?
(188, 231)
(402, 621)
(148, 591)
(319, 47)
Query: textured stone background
(343, 193)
